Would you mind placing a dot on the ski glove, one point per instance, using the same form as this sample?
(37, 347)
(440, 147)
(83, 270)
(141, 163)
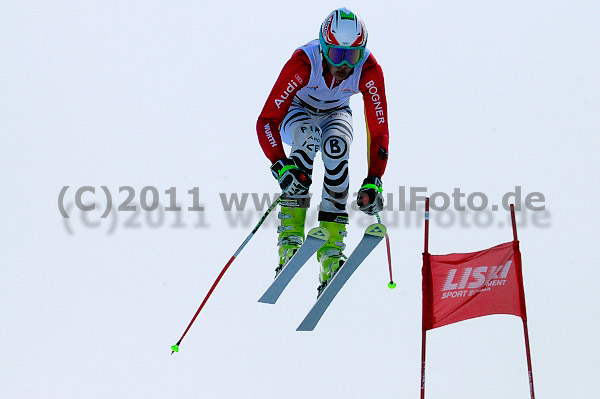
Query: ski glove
(292, 179)
(370, 197)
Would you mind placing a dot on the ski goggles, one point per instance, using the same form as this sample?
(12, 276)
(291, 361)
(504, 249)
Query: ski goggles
(340, 55)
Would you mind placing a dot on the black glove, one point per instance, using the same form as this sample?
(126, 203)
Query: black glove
(370, 199)
(292, 180)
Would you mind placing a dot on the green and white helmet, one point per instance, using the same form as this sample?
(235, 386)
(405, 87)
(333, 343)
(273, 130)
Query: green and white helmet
(343, 38)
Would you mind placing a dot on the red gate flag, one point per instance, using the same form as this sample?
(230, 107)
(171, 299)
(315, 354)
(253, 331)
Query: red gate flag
(462, 286)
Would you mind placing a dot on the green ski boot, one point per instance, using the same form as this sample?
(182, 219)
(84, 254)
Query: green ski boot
(291, 233)
(330, 254)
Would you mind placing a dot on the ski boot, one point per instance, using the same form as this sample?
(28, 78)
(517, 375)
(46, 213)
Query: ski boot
(330, 254)
(291, 234)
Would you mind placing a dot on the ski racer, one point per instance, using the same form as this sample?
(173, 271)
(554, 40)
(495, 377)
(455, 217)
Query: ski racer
(308, 108)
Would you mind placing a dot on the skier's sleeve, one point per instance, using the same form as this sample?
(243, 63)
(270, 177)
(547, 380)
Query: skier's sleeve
(294, 76)
(372, 88)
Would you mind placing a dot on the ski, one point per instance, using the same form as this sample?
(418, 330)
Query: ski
(315, 239)
(373, 236)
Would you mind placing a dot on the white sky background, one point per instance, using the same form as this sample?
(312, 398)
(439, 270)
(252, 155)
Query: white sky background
(482, 95)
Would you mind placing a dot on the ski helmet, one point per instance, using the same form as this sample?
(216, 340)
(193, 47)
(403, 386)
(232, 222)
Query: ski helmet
(343, 38)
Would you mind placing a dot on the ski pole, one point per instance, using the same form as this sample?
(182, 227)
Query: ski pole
(391, 284)
(175, 348)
